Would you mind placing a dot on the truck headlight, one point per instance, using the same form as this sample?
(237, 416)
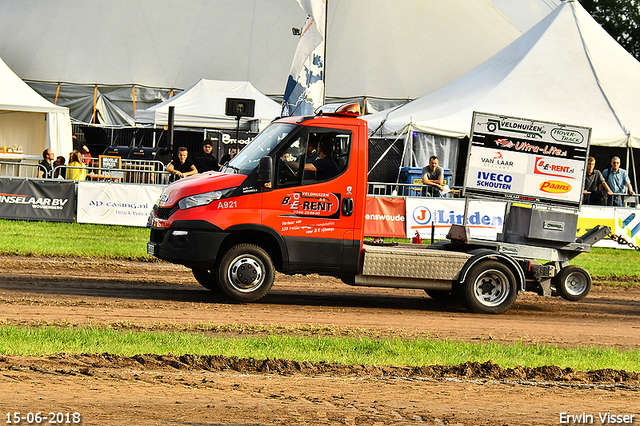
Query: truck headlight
(203, 199)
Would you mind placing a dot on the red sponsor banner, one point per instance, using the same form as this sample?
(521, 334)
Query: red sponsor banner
(385, 217)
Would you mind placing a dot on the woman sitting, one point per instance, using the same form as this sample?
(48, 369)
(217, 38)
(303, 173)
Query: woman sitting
(76, 169)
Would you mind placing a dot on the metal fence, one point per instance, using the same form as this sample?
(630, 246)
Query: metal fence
(18, 169)
(404, 190)
(130, 171)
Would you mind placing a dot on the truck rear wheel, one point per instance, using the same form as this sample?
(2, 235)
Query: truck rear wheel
(572, 283)
(207, 278)
(246, 273)
(490, 288)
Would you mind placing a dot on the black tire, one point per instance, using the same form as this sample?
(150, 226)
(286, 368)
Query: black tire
(207, 278)
(246, 273)
(572, 283)
(490, 288)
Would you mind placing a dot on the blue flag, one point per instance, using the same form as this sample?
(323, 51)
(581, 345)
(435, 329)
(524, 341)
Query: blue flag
(305, 86)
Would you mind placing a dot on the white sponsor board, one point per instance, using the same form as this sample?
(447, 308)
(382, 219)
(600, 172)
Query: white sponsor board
(116, 204)
(518, 159)
(484, 218)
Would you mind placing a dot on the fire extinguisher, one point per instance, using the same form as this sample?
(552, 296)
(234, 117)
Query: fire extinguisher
(417, 239)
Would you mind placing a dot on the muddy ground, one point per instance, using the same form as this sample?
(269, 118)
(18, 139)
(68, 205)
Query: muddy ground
(149, 389)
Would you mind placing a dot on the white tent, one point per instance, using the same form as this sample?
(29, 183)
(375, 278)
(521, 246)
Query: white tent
(396, 50)
(565, 69)
(203, 106)
(28, 120)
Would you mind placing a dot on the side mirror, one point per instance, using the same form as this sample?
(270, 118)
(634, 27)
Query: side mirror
(265, 172)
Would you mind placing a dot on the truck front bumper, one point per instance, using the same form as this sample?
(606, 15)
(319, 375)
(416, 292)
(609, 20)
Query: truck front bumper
(194, 248)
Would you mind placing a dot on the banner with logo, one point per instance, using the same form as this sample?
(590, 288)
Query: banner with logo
(518, 159)
(116, 204)
(385, 217)
(484, 218)
(628, 224)
(25, 199)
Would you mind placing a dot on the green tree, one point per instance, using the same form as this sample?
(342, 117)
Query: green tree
(619, 18)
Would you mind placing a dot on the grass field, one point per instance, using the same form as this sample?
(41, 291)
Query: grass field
(122, 242)
(113, 242)
(41, 341)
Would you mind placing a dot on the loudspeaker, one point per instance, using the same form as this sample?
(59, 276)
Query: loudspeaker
(237, 107)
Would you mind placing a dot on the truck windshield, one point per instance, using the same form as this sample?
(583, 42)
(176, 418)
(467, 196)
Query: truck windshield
(247, 160)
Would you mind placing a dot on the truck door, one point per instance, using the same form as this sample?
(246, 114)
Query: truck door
(312, 206)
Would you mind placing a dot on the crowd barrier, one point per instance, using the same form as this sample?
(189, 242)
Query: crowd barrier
(126, 196)
(125, 171)
(404, 217)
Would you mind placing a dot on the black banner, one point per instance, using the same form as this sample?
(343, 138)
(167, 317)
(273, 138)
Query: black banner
(37, 200)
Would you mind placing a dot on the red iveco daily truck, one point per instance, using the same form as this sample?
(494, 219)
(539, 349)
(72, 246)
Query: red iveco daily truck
(265, 213)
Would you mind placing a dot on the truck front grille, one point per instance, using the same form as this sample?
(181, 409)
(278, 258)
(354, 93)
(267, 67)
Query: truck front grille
(165, 212)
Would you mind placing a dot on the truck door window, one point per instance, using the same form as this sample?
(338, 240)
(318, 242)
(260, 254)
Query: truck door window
(288, 162)
(335, 156)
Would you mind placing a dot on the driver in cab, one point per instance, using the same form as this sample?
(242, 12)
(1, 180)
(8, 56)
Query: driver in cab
(323, 166)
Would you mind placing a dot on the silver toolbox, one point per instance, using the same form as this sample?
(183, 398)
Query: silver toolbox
(525, 223)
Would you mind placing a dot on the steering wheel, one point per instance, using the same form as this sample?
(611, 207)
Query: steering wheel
(288, 174)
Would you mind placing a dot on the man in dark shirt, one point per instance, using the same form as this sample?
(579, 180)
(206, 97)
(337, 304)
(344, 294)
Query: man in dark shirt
(593, 184)
(206, 161)
(45, 169)
(228, 157)
(433, 177)
(182, 166)
(324, 166)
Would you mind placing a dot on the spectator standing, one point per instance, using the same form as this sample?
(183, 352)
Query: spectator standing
(433, 177)
(594, 184)
(618, 181)
(79, 146)
(182, 166)
(45, 170)
(206, 161)
(228, 157)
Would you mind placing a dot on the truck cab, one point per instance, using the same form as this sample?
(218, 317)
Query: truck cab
(264, 212)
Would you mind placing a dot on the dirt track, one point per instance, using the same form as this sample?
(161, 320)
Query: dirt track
(166, 390)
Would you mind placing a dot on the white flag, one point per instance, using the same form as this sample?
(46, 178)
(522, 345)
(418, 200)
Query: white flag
(305, 87)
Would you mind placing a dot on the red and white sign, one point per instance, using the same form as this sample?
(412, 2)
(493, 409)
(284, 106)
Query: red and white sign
(385, 217)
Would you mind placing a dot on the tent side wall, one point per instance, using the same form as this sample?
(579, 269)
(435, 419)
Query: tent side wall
(23, 129)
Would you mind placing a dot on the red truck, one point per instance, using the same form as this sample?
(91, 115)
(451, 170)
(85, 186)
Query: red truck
(266, 213)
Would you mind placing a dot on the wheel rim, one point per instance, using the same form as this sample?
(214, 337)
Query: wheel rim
(576, 284)
(246, 273)
(491, 288)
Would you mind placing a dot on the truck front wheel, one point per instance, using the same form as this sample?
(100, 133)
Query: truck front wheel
(207, 278)
(572, 283)
(490, 288)
(246, 273)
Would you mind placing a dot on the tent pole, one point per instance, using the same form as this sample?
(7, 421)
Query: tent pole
(55, 102)
(95, 95)
(404, 151)
(133, 96)
(633, 167)
(324, 54)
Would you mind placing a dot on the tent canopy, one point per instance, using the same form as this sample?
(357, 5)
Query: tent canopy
(565, 69)
(204, 104)
(376, 48)
(29, 120)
